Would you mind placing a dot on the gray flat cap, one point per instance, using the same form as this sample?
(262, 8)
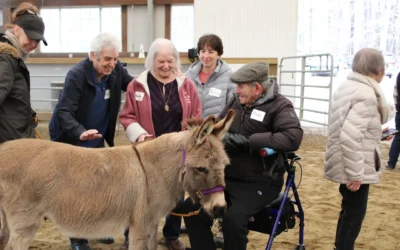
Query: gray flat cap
(251, 72)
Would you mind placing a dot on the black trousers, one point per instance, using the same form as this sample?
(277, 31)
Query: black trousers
(244, 200)
(81, 241)
(395, 146)
(354, 208)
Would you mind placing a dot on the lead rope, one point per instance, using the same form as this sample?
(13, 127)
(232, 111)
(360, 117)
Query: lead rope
(190, 213)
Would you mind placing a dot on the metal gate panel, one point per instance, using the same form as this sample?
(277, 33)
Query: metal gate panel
(316, 64)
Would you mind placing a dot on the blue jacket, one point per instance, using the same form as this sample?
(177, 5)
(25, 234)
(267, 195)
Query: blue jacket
(69, 117)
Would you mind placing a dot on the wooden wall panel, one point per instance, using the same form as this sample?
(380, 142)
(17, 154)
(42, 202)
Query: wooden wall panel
(47, 3)
(123, 2)
(173, 1)
(6, 16)
(58, 3)
(15, 3)
(124, 27)
(168, 21)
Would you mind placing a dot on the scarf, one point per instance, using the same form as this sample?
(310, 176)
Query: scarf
(383, 107)
(15, 42)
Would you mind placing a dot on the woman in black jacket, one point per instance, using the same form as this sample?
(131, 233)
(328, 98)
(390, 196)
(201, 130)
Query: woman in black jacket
(395, 146)
(17, 119)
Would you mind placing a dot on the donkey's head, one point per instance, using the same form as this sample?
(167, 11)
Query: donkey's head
(203, 175)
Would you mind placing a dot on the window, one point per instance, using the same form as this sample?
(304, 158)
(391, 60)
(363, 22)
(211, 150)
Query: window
(51, 19)
(1, 17)
(182, 27)
(72, 29)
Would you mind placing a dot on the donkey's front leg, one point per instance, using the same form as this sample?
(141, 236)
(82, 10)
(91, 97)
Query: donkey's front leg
(4, 230)
(153, 244)
(139, 236)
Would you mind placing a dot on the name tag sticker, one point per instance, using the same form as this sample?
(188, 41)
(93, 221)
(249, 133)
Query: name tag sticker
(139, 96)
(107, 95)
(257, 115)
(215, 92)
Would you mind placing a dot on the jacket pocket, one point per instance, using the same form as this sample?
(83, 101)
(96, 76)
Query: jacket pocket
(17, 128)
(377, 160)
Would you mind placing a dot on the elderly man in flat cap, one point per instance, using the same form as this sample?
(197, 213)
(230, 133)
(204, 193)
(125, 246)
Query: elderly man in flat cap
(264, 118)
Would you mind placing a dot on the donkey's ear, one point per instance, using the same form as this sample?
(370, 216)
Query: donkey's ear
(222, 127)
(205, 129)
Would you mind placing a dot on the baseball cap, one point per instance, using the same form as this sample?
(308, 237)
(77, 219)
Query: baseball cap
(33, 25)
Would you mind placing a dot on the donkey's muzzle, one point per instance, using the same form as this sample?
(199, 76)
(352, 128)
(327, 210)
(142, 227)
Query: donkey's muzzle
(219, 211)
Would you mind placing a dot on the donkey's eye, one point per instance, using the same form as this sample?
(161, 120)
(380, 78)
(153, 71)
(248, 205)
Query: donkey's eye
(202, 170)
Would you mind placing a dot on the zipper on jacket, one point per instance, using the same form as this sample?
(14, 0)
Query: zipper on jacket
(242, 119)
(242, 116)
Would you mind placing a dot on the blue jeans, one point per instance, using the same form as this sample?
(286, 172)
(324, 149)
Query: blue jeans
(395, 147)
(172, 225)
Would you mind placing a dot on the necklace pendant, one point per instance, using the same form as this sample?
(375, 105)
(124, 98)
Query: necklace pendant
(166, 107)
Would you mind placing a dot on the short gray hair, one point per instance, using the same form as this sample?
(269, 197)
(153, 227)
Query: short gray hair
(104, 41)
(155, 47)
(369, 62)
(265, 84)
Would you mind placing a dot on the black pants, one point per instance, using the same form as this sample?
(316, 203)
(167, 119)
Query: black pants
(81, 241)
(244, 200)
(395, 146)
(354, 207)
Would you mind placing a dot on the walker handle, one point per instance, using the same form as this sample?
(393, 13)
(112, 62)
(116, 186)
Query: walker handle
(264, 152)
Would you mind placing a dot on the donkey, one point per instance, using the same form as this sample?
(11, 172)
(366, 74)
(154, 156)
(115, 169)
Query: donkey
(97, 193)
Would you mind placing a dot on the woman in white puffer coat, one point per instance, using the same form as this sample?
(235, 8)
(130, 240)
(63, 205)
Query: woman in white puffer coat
(353, 157)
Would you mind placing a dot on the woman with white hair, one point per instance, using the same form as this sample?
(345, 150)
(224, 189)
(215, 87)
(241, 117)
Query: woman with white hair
(87, 110)
(353, 156)
(171, 99)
